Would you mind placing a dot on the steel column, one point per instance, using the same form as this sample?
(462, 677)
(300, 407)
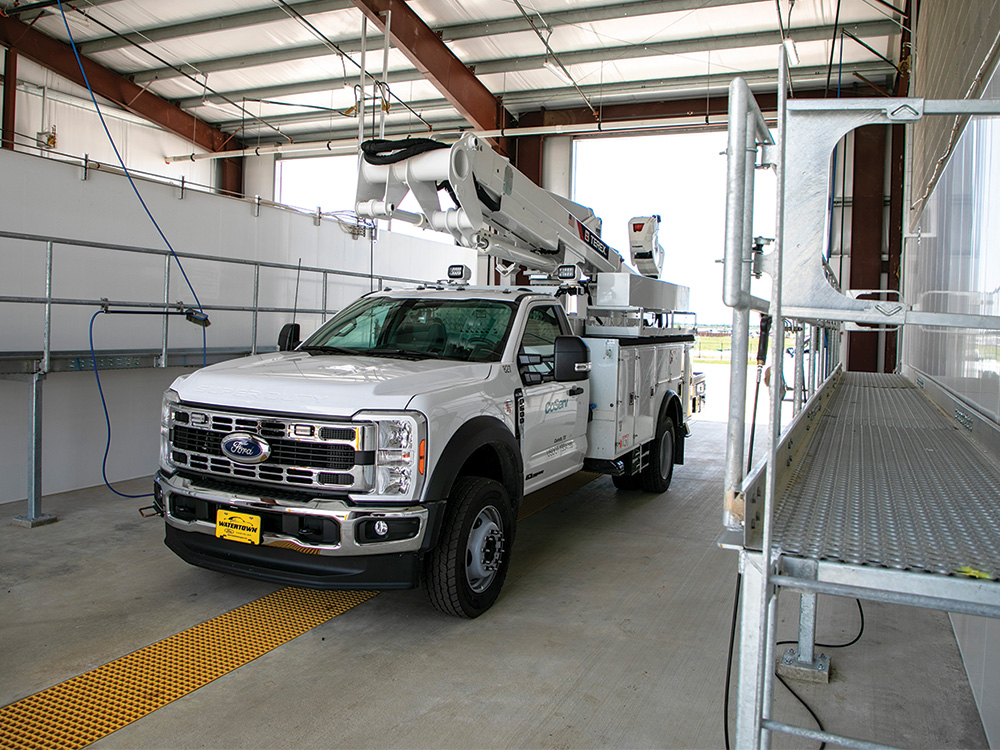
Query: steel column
(165, 329)
(47, 321)
(748, 705)
(799, 378)
(807, 628)
(34, 516)
(256, 300)
(324, 294)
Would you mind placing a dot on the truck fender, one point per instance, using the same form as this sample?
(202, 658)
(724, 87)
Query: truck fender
(496, 446)
(672, 403)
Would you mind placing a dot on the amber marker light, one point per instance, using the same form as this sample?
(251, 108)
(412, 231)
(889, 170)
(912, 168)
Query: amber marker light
(421, 456)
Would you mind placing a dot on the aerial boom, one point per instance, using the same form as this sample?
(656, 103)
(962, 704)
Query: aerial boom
(496, 207)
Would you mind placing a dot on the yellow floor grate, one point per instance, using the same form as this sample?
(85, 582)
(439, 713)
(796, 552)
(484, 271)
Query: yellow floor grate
(83, 709)
(544, 497)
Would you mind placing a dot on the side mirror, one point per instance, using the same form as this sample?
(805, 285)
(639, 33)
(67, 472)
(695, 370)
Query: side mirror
(289, 337)
(572, 359)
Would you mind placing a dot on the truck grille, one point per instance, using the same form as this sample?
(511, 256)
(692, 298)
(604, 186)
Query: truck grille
(303, 453)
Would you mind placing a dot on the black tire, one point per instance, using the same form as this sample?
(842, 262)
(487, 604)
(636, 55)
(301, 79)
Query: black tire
(626, 481)
(660, 469)
(467, 568)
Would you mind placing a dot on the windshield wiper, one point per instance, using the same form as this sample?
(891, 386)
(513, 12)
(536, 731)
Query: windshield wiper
(398, 353)
(327, 350)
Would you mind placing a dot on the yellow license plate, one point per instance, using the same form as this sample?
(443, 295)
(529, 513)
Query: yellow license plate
(237, 527)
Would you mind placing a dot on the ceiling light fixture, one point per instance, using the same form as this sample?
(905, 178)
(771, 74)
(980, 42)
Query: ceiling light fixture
(558, 70)
(791, 51)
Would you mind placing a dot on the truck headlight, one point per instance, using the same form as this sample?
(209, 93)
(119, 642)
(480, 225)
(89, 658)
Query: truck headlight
(170, 401)
(400, 453)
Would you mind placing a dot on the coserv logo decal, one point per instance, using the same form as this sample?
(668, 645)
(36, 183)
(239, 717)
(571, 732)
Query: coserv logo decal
(557, 405)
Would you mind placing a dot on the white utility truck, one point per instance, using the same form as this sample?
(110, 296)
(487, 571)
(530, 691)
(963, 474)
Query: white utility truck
(394, 445)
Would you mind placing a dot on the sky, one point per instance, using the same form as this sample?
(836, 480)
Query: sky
(680, 177)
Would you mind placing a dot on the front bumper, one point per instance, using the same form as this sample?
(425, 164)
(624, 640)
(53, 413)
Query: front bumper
(316, 543)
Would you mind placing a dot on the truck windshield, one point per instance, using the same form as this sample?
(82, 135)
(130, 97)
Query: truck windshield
(467, 330)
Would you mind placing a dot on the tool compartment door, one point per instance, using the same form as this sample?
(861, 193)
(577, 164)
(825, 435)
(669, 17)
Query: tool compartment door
(625, 399)
(645, 411)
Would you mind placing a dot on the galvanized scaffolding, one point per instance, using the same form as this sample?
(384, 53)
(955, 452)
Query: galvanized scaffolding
(845, 501)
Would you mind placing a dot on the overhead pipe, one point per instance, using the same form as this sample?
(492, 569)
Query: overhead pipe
(350, 146)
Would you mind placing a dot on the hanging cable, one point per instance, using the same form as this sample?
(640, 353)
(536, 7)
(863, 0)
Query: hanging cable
(729, 661)
(135, 189)
(175, 68)
(552, 52)
(765, 333)
(833, 45)
(100, 389)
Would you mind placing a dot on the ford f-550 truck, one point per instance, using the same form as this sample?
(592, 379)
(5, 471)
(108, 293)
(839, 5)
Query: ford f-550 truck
(395, 444)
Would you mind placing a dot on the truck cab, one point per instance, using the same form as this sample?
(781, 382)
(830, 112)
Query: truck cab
(339, 456)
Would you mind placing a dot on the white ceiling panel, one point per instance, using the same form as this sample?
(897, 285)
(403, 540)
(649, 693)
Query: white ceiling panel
(615, 51)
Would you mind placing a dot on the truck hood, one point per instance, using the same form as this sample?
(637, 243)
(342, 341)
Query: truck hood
(323, 384)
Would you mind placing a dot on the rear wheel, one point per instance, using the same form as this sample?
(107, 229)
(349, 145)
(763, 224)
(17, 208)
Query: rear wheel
(660, 469)
(467, 568)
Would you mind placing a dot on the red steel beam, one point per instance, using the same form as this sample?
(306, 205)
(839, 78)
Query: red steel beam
(867, 214)
(438, 64)
(58, 57)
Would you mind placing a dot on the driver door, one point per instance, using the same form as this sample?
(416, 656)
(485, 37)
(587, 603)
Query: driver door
(553, 441)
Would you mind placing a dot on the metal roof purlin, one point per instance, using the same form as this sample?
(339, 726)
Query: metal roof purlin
(534, 62)
(448, 33)
(520, 101)
(209, 25)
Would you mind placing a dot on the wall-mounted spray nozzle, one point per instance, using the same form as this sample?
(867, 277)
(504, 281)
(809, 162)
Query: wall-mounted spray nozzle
(197, 317)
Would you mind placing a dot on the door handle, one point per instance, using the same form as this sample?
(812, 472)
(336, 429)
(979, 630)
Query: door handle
(575, 390)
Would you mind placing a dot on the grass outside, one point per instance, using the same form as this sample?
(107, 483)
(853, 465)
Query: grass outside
(717, 348)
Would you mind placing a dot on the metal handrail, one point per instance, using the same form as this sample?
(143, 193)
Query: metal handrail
(255, 309)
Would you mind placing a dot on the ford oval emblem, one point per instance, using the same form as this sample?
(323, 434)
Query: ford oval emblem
(244, 448)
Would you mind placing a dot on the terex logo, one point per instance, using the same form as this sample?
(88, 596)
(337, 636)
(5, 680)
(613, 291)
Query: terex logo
(556, 405)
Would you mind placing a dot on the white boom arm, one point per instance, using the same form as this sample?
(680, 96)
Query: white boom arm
(498, 208)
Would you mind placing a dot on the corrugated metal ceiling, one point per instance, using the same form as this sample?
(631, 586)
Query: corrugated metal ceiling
(236, 63)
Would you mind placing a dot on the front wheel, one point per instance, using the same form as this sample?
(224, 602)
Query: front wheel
(660, 469)
(467, 568)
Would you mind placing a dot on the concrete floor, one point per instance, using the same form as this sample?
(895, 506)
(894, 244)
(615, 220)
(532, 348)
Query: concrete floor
(611, 631)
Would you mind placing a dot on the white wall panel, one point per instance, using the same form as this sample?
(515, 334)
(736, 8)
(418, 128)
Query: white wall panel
(44, 197)
(955, 267)
(79, 131)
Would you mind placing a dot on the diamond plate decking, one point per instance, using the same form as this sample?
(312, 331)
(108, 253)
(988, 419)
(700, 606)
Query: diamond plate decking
(888, 480)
